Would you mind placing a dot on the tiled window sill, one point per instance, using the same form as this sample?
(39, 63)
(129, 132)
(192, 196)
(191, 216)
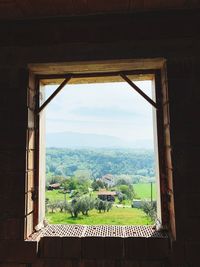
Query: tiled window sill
(102, 242)
(62, 230)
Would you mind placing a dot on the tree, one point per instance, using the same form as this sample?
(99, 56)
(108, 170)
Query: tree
(109, 206)
(97, 184)
(73, 208)
(101, 205)
(121, 197)
(127, 190)
(123, 180)
(91, 163)
(150, 209)
(80, 204)
(73, 183)
(52, 205)
(61, 205)
(86, 203)
(70, 169)
(70, 184)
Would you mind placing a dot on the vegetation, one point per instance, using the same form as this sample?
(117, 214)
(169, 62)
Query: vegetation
(82, 173)
(116, 216)
(127, 191)
(137, 166)
(150, 209)
(143, 190)
(91, 210)
(82, 204)
(101, 205)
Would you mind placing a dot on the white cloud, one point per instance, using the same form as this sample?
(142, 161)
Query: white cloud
(113, 109)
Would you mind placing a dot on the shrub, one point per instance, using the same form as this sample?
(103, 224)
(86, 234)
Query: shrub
(150, 209)
(127, 190)
(97, 184)
(109, 206)
(52, 205)
(101, 205)
(121, 197)
(81, 204)
(86, 203)
(73, 207)
(61, 205)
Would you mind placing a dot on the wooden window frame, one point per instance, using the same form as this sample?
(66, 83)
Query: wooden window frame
(43, 73)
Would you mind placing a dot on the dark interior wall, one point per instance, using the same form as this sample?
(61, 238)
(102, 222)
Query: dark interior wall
(171, 35)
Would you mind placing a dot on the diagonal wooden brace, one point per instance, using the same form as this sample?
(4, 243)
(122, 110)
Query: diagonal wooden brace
(136, 88)
(60, 87)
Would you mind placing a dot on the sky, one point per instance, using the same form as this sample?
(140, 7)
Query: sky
(113, 109)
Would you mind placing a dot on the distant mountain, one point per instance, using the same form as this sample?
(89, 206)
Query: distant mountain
(80, 140)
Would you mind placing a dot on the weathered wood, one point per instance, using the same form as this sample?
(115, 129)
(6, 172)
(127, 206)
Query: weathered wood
(97, 68)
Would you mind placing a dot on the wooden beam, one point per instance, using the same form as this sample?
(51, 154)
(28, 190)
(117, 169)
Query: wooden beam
(60, 87)
(137, 89)
(98, 77)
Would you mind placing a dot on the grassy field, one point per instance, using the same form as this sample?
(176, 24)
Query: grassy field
(56, 195)
(116, 216)
(143, 191)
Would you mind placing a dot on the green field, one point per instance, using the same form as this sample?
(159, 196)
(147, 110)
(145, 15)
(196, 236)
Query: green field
(143, 191)
(56, 195)
(116, 216)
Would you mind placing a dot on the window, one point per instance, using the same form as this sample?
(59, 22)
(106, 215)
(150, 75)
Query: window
(127, 74)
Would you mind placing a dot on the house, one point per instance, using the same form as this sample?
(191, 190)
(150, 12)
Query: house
(54, 186)
(108, 179)
(106, 195)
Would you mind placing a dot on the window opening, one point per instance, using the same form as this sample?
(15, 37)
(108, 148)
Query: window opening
(109, 193)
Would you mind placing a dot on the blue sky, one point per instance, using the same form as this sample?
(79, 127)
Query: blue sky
(113, 109)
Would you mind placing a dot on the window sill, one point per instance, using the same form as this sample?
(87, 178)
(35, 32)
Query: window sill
(70, 230)
(102, 242)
